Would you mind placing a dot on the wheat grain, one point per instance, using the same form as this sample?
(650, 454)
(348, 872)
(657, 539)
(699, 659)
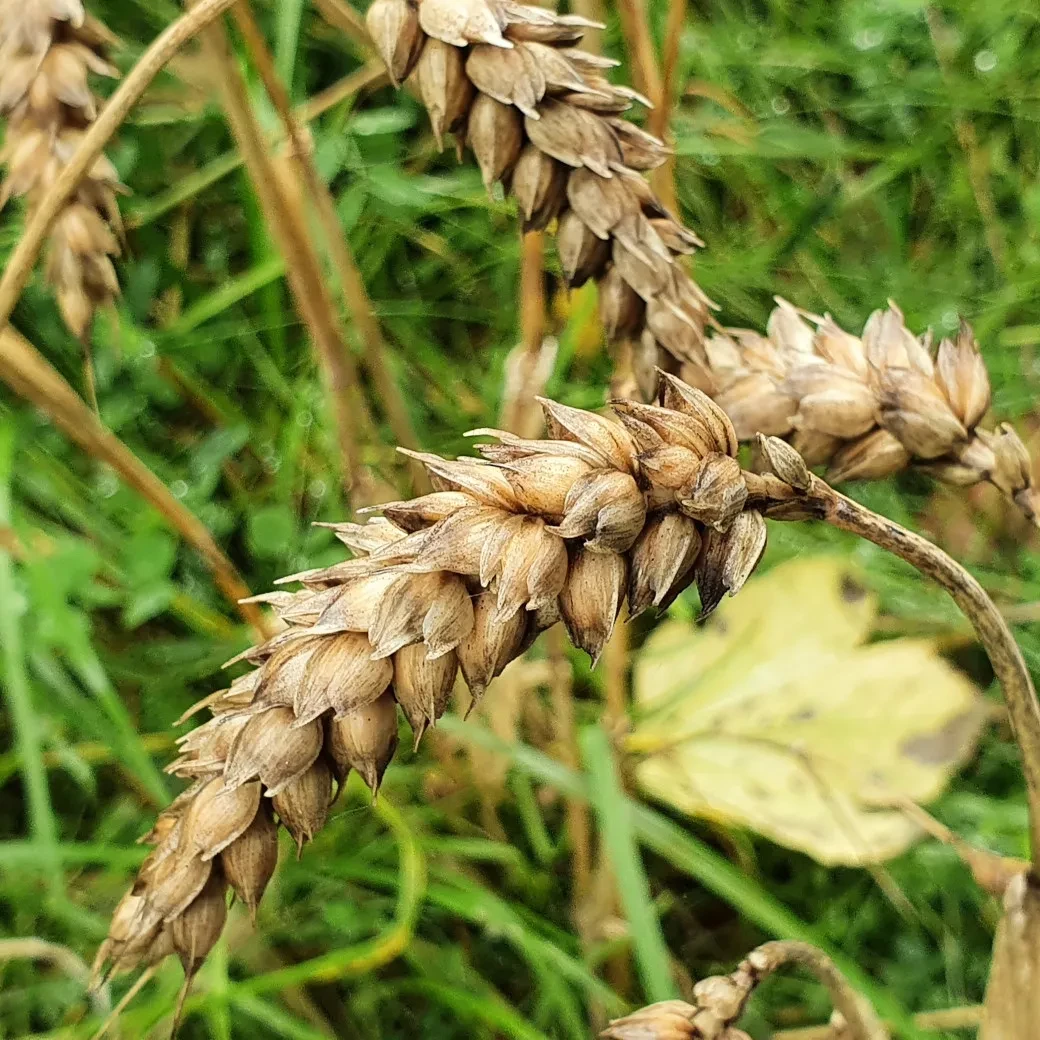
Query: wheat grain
(48, 51)
(459, 580)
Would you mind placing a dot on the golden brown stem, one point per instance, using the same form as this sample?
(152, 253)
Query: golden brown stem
(823, 502)
(649, 80)
(594, 12)
(529, 364)
(162, 49)
(646, 72)
(615, 669)
(532, 291)
(352, 285)
(283, 213)
(663, 179)
(342, 16)
(26, 371)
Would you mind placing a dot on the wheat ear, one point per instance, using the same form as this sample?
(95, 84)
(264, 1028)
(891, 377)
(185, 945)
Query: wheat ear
(48, 51)
(510, 82)
(460, 580)
(867, 406)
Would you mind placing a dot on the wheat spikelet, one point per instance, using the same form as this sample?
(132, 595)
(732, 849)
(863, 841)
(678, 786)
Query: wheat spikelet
(459, 580)
(509, 81)
(48, 50)
(867, 406)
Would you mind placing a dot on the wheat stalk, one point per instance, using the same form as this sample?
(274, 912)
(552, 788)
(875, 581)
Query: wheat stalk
(48, 51)
(459, 580)
(867, 406)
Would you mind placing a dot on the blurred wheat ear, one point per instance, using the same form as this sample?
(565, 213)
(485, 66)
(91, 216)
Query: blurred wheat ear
(48, 52)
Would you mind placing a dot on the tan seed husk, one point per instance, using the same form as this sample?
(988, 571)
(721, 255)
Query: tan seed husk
(249, 861)
(423, 685)
(303, 805)
(866, 406)
(365, 740)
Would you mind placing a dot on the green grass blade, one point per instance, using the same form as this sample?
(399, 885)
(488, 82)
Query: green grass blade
(494, 1013)
(287, 39)
(42, 823)
(614, 813)
(231, 292)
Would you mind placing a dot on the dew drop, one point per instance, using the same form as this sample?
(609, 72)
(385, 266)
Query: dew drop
(985, 61)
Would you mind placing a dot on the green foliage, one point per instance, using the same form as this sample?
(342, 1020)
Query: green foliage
(822, 154)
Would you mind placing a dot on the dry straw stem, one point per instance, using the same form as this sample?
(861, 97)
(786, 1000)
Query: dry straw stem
(48, 51)
(352, 286)
(92, 143)
(509, 81)
(867, 406)
(283, 211)
(719, 1001)
(654, 79)
(664, 178)
(26, 371)
(463, 579)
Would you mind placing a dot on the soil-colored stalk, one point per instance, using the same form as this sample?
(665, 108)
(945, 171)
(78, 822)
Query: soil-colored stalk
(302, 266)
(352, 285)
(26, 371)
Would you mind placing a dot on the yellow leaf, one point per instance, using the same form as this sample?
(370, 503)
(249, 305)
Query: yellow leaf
(776, 717)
